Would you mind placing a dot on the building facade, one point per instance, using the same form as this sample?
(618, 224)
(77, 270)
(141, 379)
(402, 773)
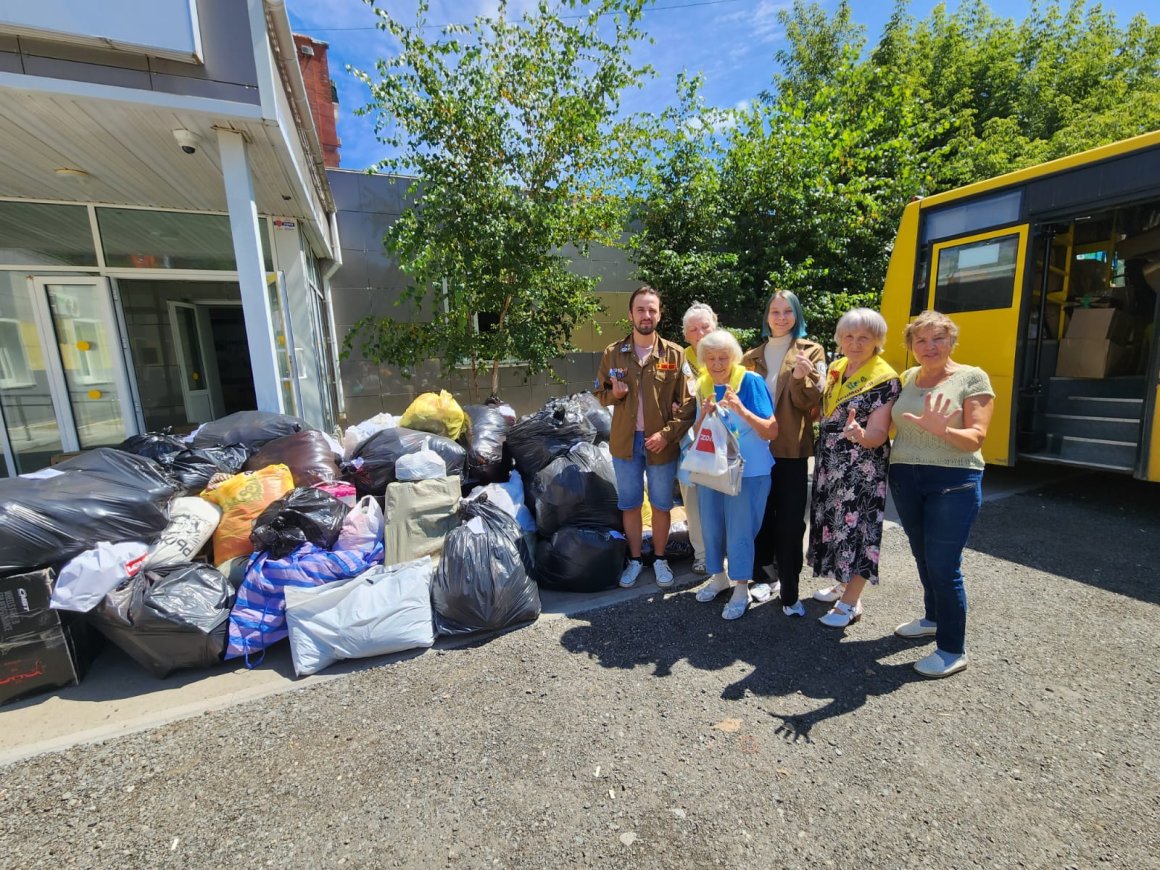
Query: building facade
(167, 231)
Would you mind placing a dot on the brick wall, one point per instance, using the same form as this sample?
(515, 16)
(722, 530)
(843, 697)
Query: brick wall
(320, 93)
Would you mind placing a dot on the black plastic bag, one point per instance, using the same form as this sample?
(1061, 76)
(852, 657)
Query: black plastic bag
(303, 515)
(487, 460)
(577, 489)
(153, 445)
(100, 495)
(171, 618)
(373, 465)
(598, 415)
(484, 580)
(308, 455)
(251, 428)
(580, 560)
(192, 469)
(550, 432)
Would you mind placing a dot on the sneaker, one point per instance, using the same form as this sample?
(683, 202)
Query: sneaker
(630, 573)
(760, 592)
(842, 614)
(917, 628)
(940, 664)
(717, 584)
(699, 566)
(830, 594)
(795, 609)
(662, 573)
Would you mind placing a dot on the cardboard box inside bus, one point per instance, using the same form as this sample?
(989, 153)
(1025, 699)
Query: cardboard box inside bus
(1093, 358)
(1109, 323)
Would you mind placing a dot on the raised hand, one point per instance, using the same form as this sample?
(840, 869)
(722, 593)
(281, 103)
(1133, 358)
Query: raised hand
(730, 401)
(936, 414)
(853, 431)
(802, 366)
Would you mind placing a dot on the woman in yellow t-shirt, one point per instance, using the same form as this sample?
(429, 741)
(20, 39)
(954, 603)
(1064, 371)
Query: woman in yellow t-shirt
(936, 473)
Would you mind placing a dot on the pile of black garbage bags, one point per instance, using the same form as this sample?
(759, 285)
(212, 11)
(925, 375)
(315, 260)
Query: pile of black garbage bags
(187, 550)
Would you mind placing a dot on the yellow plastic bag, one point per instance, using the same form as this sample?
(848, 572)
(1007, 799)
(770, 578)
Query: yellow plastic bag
(241, 498)
(646, 510)
(435, 412)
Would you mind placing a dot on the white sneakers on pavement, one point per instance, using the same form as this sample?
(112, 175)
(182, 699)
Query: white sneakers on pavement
(630, 573)
(940, 664)
(795, 609)
(663, 573)
(762, 592)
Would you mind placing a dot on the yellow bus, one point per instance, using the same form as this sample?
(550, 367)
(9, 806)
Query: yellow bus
(1051, 273)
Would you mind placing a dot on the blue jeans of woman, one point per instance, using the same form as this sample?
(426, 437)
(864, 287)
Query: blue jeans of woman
(729, 523)
(938, 507)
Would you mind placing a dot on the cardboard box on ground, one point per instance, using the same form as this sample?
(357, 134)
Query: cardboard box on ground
(40, 648)
(1100, 342)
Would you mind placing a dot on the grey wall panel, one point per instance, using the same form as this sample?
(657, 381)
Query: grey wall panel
(55, 68)
(344, 187)
(194, 87)
(11, 62)
(82, 54)
(226, 47)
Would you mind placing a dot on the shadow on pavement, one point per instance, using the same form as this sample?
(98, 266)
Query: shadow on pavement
(788, 658)
(1099, 529)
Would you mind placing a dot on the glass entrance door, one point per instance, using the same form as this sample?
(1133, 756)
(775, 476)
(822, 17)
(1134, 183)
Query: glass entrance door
(91, 390)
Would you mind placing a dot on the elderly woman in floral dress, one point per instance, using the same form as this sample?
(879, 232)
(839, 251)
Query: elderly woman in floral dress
(851, 458)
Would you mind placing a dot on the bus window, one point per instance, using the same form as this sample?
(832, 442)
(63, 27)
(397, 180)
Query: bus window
(970, 217)
(977, 275)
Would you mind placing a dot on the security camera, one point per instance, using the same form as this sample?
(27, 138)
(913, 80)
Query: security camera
(187, 140)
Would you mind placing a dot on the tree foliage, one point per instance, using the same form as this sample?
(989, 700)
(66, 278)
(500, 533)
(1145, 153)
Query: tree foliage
(805, 190)
(513, 131)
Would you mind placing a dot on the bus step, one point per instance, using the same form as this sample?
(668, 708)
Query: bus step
(1102, 428)
(1099, 406)
(1118, 387)
(1101, 452)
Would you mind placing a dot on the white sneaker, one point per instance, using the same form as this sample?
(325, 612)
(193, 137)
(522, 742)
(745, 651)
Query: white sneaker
(794, 609)
(663, 573)
(699, 566)
(917, 628)
(935, 666)
(831, 593)
(760, 592)
(630, 573)
(717, 584)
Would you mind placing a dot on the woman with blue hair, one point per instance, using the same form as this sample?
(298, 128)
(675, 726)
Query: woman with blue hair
(793, 368)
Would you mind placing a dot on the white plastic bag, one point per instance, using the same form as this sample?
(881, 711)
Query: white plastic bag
(383, 610)
(709, 453)
(423, 464)
(192, 521)
(362, 528)
(354, 436)
(509, 497)
(92, 575)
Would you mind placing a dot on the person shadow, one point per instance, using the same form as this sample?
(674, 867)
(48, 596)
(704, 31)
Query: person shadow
(795, 662)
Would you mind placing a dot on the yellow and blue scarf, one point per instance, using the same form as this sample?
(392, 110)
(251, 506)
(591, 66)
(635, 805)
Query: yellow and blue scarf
(873, 373)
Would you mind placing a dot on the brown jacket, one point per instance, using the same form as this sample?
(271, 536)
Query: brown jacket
(662, 378)
(795, 401)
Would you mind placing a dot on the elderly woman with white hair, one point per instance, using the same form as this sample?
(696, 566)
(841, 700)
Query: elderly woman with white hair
(851, 458)
(729, 523)
(698, 322)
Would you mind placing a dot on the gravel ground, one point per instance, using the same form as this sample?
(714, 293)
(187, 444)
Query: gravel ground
(655, 734)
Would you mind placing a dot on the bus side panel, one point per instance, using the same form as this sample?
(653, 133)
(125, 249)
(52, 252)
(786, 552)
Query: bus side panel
(1154, 441)
(899, 287)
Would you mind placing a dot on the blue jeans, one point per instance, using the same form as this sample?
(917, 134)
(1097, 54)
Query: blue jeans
(630, 475)
(729, 523)
(937, 507)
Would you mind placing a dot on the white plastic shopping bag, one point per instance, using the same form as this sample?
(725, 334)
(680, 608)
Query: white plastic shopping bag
(363, 526)
(383, 610)
(424, 464)
(92, 575)
(710, 451)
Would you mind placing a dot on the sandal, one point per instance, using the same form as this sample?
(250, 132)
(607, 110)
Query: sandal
(842, 614)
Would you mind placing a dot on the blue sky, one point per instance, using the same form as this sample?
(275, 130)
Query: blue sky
(730, 42)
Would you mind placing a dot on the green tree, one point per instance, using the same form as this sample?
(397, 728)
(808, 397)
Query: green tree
(513, 131)
(681, 230)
